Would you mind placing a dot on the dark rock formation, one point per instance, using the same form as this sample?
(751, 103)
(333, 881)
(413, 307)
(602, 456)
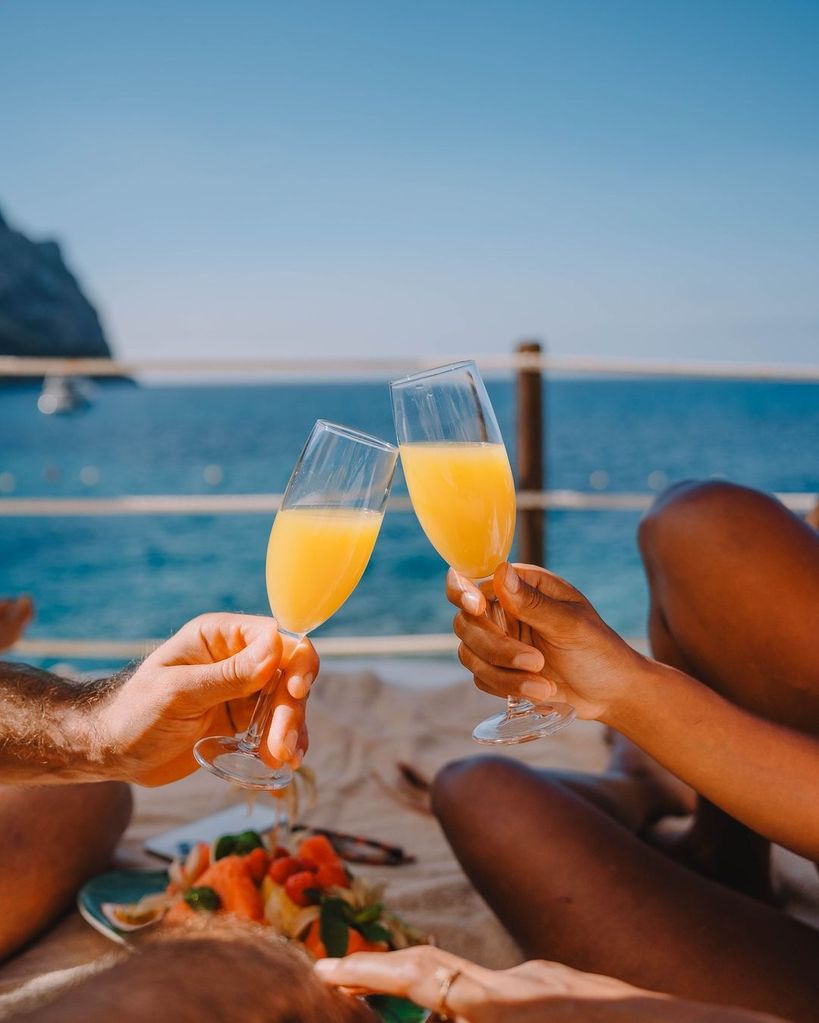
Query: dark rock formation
(43, 311)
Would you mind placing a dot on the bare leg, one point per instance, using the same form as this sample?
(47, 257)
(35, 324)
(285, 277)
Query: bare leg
(51, 840)
(571, 884)
(671, 797)
(634, 790)
(734, 581)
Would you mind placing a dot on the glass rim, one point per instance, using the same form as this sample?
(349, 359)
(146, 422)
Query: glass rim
(434, 371)
(350, 433)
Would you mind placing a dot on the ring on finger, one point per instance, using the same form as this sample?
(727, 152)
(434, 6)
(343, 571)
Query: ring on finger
(446, 977)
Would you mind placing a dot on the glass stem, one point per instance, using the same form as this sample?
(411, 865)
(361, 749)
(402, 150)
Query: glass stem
(494, 611)
(252, 739)
(254, 733)
(517, 705)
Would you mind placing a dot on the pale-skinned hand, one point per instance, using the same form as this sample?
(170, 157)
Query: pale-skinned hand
(204, 681)
(530, 993)
(561, 649)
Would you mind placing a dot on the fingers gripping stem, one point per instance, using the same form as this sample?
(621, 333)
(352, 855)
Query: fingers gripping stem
(252, 739)
(495, 612)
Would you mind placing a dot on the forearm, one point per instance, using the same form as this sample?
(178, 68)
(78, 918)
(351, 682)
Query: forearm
(649, 1008)
(47, 732)
(173, 982)
(234, 975)
(763, 774)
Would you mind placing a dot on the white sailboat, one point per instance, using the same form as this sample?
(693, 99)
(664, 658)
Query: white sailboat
(61, 395)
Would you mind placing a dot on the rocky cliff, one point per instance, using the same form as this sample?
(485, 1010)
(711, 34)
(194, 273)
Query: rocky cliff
(43, 311)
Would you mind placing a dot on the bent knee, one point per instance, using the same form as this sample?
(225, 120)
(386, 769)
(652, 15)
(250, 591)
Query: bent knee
(474, 782)
(688, 514)
(85, 821)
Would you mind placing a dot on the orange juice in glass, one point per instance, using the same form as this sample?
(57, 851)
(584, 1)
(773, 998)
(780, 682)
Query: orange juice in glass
(464, 497)
(315, 559)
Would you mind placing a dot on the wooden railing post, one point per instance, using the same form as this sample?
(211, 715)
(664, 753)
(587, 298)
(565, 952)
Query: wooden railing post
(531, 468)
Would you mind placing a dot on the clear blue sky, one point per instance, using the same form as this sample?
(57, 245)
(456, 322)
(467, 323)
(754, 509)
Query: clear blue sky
(260, 177)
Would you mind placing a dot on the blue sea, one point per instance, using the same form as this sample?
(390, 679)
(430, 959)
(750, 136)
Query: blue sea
(143, 576)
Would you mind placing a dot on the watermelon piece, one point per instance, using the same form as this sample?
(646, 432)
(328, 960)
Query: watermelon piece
(313, 942)
(230, 878)
(355, 942)
(358, 943)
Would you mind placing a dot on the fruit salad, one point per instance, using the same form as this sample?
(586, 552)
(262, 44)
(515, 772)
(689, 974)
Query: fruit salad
(305, 893)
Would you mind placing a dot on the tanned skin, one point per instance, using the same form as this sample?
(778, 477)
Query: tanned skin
(724, 717)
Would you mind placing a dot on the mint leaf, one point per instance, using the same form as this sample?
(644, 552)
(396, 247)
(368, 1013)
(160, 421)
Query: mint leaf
(369, 914)
(374, 932)
(202, 898)
(247, 842)
(224, 846)
(347, 910)
(397, 1010)
(333, 928)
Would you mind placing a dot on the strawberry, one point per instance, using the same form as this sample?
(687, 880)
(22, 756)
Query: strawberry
(300, 888)
(257, 862)
(332, 875)
(285, 867)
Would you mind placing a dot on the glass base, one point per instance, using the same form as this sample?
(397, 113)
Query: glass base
(526, 723)
(226, 757)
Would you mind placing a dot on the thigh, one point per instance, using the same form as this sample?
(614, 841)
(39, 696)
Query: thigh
(734, 580)
(51, 840)
(571, 884)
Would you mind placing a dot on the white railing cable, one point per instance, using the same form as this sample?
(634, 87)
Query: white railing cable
(142, 504)
(267, 504)
(332, 646)
(424, 644)
(16, 366)
(725, 370)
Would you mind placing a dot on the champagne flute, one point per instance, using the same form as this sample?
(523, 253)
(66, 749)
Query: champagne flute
(462, 490)
(320, 544)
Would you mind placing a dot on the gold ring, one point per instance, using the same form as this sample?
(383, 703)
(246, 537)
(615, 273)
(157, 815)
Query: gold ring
(446, 977)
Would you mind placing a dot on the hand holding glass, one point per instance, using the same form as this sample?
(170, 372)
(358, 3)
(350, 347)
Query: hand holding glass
(462, 489)
(320, 544)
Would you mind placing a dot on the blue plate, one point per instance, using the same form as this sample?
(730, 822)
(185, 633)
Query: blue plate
(118, 886)
(132, 885)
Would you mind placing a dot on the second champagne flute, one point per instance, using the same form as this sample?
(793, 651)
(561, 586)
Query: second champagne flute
(461, 487)
(320, 544)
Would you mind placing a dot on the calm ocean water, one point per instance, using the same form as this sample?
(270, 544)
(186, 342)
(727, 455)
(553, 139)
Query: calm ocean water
(136, 577)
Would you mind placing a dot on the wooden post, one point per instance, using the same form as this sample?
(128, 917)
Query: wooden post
(531, 470)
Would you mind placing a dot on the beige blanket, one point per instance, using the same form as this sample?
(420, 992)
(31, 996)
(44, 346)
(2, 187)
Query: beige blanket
(359, 728)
